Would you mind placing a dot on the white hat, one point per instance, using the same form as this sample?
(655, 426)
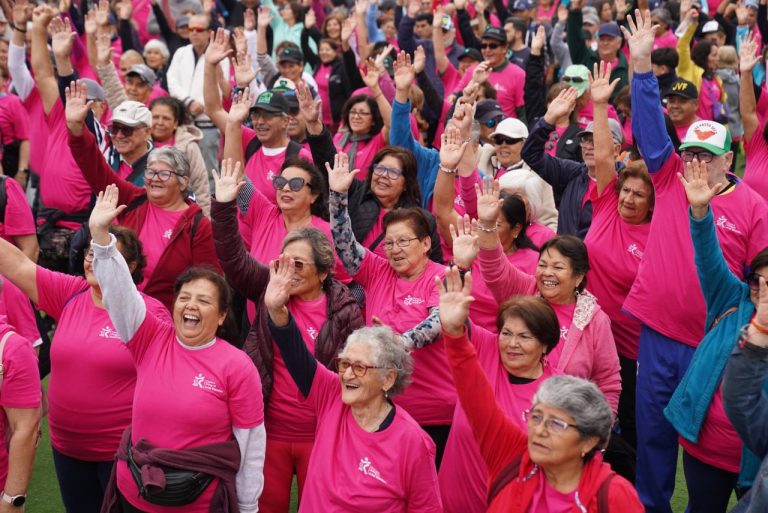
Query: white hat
(512, 128)
(710, 26)
(709, 135)
(131, 113)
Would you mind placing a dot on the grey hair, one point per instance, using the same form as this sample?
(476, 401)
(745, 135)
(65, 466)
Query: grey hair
(387, 351)
(173, 157)
(322, 251)
(582, 400)
(663, 14)
(474, 132)
(156, 44)
(530, 185)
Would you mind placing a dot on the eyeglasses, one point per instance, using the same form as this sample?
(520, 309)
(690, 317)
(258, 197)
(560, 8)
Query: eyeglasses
(89, 256)
(116, 128)
(161, 174)
(358, 369)
(401, 243)
(390, 172)
(358, 114)
(264, 115)
(491, 46)
(574, 80)
(703, 156)
(503, 139)
(197, 30)
(586, 141)
(753, 280)
(552, 424)
(295, 184)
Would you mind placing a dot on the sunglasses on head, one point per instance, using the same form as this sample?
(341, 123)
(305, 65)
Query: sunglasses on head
(574, 80)
(503, 139)
(116, 128)
(491, 46)
(295, 184)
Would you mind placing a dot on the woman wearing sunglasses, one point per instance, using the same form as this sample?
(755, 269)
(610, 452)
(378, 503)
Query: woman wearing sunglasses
(370, 454)
(552, 463)
(713, 458)
(323, 308)
(399, 293)
(174, 233)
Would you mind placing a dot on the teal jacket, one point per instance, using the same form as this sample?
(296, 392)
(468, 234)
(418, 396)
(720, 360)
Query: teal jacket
(722, 291)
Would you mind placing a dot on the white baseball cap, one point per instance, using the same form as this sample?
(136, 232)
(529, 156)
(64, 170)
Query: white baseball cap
(131, 113)
(708, 135)
(512, 128)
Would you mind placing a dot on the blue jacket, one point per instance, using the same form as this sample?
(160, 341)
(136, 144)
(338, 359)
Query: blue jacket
(427, 159)
(648, 126)
(408, 43)
(722, 291)
(746, 404)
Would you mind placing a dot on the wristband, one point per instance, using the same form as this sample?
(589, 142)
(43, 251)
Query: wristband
(448, 169)
(759, 327)
(18, 29)
(486, 229)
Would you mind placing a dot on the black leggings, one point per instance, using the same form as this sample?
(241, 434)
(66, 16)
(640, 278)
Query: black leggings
(82, 483)
(627, 401)
(709, 488)
(439, 435)
(126, 506)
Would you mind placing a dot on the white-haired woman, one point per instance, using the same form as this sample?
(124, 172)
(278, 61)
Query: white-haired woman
(157, 57)
(369, 454)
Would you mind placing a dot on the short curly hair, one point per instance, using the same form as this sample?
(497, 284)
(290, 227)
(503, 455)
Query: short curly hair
(387, 352)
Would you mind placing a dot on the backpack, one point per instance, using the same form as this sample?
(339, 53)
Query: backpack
(511, 471)
(292, 150)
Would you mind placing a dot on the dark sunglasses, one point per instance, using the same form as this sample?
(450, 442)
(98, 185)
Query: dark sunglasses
(116, 128)
(574, 80)
(295, 184)
(502, 139)
(491, 46)
(492, 122)
(197, 30)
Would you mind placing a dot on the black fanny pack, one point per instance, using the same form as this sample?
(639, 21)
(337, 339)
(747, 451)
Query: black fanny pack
(182, 487)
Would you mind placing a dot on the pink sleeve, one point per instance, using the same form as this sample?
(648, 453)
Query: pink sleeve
(153, 330)
(18, 215)
(20, 118)
(468, 193)
(20, 313)
(372, 268)
(244, 397)
(607, 200)
(605, 370)
(423, 495)
(54, 289)
(21, 379)
(325, 390)
(502, 277)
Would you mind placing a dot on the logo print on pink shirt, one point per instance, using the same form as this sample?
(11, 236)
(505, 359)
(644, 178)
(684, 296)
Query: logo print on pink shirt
(563, 332)
(270, 175)
(167, 234)
(634, 250)
(108, 332)
(199, 381)
(368, 469)
(312, 332)
(410, 300)
(725, 224)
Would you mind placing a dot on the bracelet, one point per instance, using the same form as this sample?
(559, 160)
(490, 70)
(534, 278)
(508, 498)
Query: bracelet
(759, 327)
(487, 230)
(18, 29)
(447, 169)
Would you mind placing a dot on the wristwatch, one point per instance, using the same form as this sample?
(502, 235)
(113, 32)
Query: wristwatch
(16, 501)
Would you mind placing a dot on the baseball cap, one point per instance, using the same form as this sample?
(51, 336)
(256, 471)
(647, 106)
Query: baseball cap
(609, 29)
(131, 113)
(616, 133)
(271, 101)
(590, 18)
(182, 21)
(95, 92)
(682, 88)
(708, 135)
(446, 23)
(471, 53)
(289, 54)
(495, 33)
(512, 128)
(754, 4)
(710, 27)
(523, 5)
(284, 84)
(577, 76)
(144, 72)
(487, 110)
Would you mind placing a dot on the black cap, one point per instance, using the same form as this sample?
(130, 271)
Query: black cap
(495, 33)
(271, 101)
(682, 88)
(291, 55)
(471, 53)
(487, 109)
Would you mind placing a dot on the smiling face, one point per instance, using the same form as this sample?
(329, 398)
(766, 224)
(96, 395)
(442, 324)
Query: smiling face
(164, 123)
(154, 58)
(290, 70)
(360, 118)
(327, 53)
(388, 190)
(608, 47)
(493, 51)
(164, 193)
(588, 151)
(130, 146)
(634, 201)
(390, 29)
(307, 282)
(298, 202)
(136, 89)
(333, 29)
(548, 448)
(555, 278)
(713, 59)
(520, 351)
(270, 127)
(681, 111)
(508, 154)
(196, 313)
(409, 261)
(359, 392)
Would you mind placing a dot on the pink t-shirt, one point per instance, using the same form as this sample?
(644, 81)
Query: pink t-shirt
(62, 185)
(156, 233)
(262, 168)
(289, 419)
(666, 40)
(681, 130)
(548, 500)
(402, 304)
(373, 235)
(21, 387)
(756, 151)
(564, 319)
(366, 150)
(451, 79)
(187, 397)
(709, 92)
(666, 294)
(38, 130)
(14, 120)
(18, 312)
(508, 82)
(719, 444)
(18, 215)
(615, 250)
(86, 356)
(322, 78)
(463, 474)
(141, 10)
(586, 115)
(539, 233)
(388, 471)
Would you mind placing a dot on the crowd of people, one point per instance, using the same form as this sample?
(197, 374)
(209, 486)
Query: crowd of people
(385, 255)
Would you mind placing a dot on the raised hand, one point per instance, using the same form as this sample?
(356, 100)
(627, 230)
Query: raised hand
(382, 57)
(62, 37)
(22, 13)
(347, 29)
(310, 20)
(600, 85)
(414, 6)
(463, 117)
(404, 72)
(452, 147)
(103, 213)
(640, 35)
(562, 13)
(371, 76)
(124, 9)
(742, 13)
(419, 59)
(265, 17)
(241, 107)
(340, 177)
(437, 18)
(218, 47)
(562, 105)
(470, 92)
(539, 40)
(747, 51)
(42, 16)
(91, 27)
(488, 203)
(244, 72)
(229, 183)
(309, 108)
(465, 242)
(455, 299)
(481, 72)
(278, 293)
(361, 7)
(241, 43)
(102, 13)
(103, 49)
(249, 22)
(697, 187)
(77, 106)
(761, 316)
(460, 4)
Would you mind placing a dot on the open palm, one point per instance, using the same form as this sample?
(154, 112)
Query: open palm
(697, 188)
(218, 47)
(600, 85)
(105, 210)
(488, 202)
(640, 35)
(455, 299)
(340, 177)
(229, 183)
(278, 291)
(465, 242)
